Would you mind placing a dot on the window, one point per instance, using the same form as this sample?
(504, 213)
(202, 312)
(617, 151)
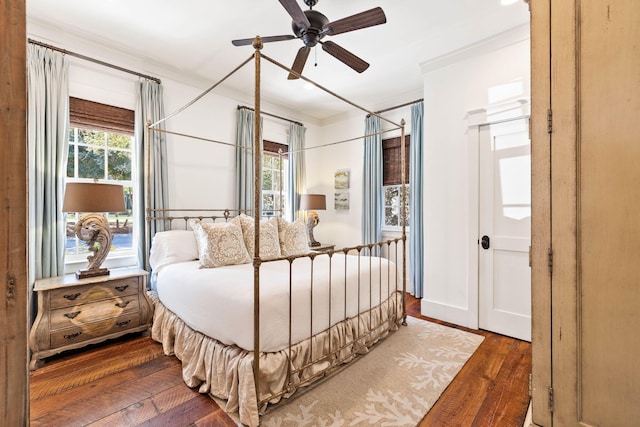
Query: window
(392, 181)
(101, 145)
(273, 177)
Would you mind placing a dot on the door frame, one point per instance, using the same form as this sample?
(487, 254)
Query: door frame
(14, 373)
(541, 135)
(510, 320)
(514, 110)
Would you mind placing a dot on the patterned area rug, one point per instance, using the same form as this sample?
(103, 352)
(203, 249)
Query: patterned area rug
(394, 385)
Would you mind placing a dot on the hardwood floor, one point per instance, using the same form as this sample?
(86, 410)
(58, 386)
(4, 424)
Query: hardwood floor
(129, 382)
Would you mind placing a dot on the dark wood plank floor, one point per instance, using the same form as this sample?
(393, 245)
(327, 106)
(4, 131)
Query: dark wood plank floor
(129, 382)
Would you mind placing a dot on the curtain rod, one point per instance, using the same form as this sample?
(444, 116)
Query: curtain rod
(242, 107)
(399, 106)
(97, 61)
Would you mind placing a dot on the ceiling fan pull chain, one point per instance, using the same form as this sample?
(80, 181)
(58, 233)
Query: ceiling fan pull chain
(315, 53)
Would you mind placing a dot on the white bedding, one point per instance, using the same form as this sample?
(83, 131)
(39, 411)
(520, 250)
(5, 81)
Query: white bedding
(219, 301)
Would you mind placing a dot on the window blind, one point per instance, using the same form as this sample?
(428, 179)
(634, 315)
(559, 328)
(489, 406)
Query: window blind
(391, 161)
(94, 115)
(271, 148)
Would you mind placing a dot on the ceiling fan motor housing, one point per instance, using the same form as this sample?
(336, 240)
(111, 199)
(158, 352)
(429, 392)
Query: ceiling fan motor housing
(311, 35)
(311, 27)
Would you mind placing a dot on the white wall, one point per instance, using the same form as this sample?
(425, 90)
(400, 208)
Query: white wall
(190, 160)
(491, 73)
(201, 173)
(343, 227)
(340, 227)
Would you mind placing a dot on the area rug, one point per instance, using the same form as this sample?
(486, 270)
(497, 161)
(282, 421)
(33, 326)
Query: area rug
(394, 385)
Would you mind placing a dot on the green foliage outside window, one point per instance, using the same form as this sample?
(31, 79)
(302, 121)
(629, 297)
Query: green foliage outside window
(107, 157)
(392, 202)
(271, 184)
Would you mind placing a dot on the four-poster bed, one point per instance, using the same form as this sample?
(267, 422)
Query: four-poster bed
(251, 312)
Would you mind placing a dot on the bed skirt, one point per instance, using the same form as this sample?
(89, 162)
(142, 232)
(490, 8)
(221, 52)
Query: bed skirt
(226, 372)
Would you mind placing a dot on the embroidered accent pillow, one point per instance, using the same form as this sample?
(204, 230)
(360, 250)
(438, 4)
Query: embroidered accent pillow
(293, 237)
(269, 241)
(220, 244)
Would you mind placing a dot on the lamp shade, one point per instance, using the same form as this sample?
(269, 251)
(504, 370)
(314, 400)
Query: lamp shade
(90, 197)
(313, 202)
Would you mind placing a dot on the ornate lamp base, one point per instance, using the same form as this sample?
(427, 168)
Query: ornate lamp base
(312, 221)
(93, 228)
(83, 274)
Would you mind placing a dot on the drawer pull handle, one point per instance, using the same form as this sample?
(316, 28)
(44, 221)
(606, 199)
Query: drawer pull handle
(71, 297)
(72, 315)
(124, 323)
(122, 304)
(122, 288)
(73, 336)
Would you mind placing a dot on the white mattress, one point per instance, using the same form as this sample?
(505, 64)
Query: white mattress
(219, 301)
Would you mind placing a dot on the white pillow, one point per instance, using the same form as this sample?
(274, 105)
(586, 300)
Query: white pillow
(269, 241)
(169, 247)
(220, 244)
(293, 237)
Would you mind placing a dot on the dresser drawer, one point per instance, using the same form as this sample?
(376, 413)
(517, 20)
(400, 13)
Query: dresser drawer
(91, 330)
(73, 313)
(79, 314)
(65, 297)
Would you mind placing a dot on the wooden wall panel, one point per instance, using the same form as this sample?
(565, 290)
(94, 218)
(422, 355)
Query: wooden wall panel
(14, 404)
(594, 205)
(541, 211)
(608, 52)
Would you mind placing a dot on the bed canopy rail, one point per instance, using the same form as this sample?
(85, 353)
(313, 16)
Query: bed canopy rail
(395, 107)
(257, 215)
(275, 116)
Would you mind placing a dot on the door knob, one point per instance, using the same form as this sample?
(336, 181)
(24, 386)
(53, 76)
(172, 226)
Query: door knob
(486, 242)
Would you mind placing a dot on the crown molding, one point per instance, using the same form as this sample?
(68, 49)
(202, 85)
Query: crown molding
(490, 44)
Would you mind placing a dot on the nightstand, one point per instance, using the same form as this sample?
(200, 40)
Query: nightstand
(322, 248)
(73, 313)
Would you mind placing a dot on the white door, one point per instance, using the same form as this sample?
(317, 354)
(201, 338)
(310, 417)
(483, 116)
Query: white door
(505, 229)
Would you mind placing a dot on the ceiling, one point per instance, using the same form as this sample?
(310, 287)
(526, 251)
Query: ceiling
(192, 39)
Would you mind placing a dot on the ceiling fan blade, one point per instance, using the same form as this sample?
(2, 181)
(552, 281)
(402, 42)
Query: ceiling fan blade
(293, 9)
(298, 63)
(245, 42)
(345, 56)
(360, 20)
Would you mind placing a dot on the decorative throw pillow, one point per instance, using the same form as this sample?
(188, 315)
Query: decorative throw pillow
(192, 224)
(293, 237)
(220, 244)
(269, 241)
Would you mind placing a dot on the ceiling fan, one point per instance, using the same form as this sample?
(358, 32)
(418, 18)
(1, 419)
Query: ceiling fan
(312, 26)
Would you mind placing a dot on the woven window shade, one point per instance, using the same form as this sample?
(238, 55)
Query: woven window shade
(93, 115)
(271, 148)
(391, 161)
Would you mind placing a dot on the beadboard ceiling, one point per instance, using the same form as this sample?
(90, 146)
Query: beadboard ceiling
(191, 40)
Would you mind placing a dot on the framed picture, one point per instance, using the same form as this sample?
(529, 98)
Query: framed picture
(341, 201)
(341, 180)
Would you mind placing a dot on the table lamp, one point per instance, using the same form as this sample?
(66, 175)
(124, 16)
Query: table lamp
(92, 201)
(311, 203)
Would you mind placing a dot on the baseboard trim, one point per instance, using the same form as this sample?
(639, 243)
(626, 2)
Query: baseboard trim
(444, 312)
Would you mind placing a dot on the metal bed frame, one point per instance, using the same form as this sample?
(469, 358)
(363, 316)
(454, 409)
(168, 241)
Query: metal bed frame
(370, 334)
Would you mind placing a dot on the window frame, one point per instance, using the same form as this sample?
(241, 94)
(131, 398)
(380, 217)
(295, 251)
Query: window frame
(392, 176)
(270, 149)
(93, 116)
